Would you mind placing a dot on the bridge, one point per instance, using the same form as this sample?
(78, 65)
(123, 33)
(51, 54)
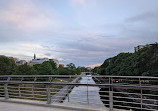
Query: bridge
(78, 92)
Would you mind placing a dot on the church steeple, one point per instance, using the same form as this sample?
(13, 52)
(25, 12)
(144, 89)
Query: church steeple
(34, 56)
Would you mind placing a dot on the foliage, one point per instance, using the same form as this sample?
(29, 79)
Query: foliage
(144, 62)
(71, 66)
(7, 66)
(46, 68)
(69, 70)
(84, 69)
(26, 70)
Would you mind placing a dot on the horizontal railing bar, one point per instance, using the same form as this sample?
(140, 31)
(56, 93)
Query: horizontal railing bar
(78, 84)
(127, 107)
(28, 97)
(26, 91)
(149, 95)
(126, 102)
(142, 77)
(126, 97)
(150, 100)
(150, 105)
(27, 94)
(127, 93)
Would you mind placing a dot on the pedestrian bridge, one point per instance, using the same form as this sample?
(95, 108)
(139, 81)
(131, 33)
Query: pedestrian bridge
(83, 92)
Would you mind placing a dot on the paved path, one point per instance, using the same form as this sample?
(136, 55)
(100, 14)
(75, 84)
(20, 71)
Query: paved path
(4, 106)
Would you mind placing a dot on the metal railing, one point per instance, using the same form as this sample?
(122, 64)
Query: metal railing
(121, 92)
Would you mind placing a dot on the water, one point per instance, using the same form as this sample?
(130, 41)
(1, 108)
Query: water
(80, 95)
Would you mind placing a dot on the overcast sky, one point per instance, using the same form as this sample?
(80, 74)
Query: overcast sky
(85, 32)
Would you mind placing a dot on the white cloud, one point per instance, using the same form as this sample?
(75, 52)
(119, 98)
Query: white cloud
(80, 2)
(94, 65)
(26, 16)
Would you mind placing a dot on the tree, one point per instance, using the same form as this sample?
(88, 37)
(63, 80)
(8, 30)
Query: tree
(64, 71)
(26, 70)
(143, 62)
(71, 65)
(7, 66)
(44, 68)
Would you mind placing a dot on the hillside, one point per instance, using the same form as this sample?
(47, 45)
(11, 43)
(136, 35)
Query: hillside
(141, 63)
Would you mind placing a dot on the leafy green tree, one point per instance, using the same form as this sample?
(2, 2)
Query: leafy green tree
(53, 64)
(78, 71)
(47, 68)
(26, 70)
(71, 65)
(143, 62)
(64, 71)
(7, 66)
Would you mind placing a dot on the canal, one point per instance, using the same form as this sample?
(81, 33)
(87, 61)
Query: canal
(85, 95)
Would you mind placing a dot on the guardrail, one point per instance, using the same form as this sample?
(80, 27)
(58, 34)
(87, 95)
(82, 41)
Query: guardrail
(121, 92)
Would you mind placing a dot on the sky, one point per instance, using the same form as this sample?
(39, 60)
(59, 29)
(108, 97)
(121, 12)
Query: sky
(84, 32)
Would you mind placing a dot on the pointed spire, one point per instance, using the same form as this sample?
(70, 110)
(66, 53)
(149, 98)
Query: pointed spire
(34, 56)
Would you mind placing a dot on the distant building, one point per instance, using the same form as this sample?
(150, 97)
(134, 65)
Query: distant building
(32, 63)
(37, 60)
(15, 59)
(2, 56)
(41, 60)
(141, 46)
(20, 62)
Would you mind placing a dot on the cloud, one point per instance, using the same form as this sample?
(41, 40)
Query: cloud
(78, 2)
(80, 31)
(94, 65)
(26, 16)
(144, 17)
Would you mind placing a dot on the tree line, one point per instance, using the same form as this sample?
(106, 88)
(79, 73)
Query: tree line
(144, 62)
(8, 67)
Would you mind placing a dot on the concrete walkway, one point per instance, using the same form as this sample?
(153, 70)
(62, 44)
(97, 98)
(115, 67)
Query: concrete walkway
(4, 106)
(31, 105)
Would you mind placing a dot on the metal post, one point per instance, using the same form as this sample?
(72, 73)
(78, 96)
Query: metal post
(33, 92)
(111, 100)
(68, 98)
(6, 89)
(110, 95)
(48, 95)
(141, 95)
(19, 90)
(87, 91)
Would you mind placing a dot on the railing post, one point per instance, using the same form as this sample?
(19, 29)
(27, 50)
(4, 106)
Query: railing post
(141, 94)
(111, 100)
(48, 95)
(6, 89)
(68, 98)
(87, 92)
(110, 95)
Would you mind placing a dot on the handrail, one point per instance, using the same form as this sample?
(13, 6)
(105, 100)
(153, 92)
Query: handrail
(136, 90)
(143, 77)
(78, 84)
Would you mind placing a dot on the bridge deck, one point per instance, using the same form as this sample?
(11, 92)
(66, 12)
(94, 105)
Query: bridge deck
(5, 106)
(31, 105)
